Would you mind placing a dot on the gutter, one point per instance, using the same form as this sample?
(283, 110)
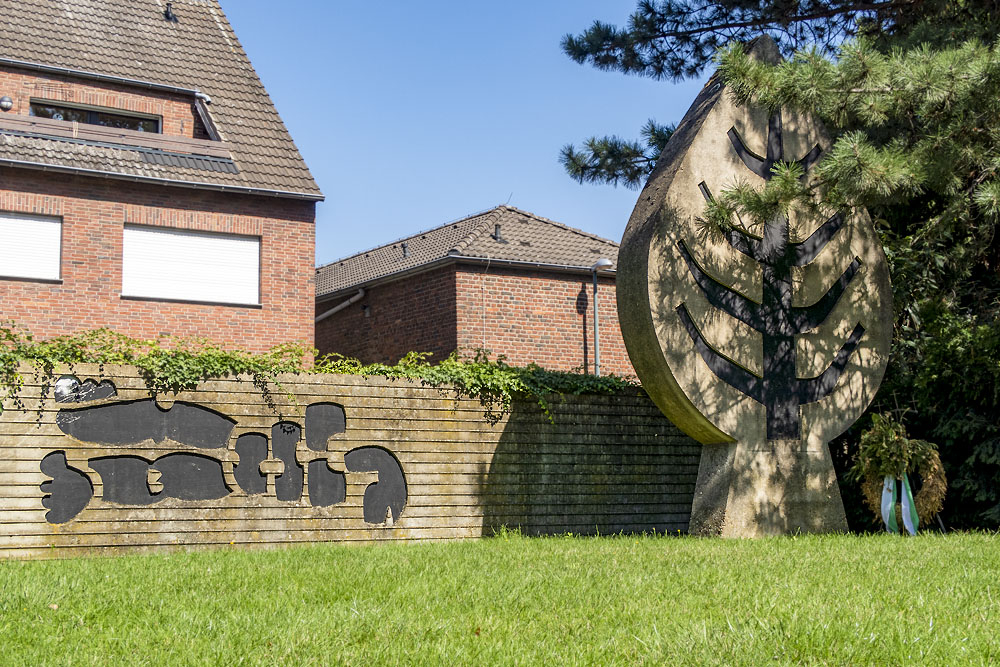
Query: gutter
(464, 259)
(560, 268)
(340, 306)
(84, 74)
(62, 169)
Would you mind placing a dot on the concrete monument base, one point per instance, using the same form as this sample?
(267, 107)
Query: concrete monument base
(777, 487)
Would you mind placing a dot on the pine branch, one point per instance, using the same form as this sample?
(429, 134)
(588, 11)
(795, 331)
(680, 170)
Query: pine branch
(675, 39)
(615, 161)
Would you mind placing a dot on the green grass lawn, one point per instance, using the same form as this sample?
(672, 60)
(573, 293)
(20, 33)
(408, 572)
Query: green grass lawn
(833, 599)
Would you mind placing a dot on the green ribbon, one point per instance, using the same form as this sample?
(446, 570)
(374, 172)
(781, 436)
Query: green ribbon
(909, 511)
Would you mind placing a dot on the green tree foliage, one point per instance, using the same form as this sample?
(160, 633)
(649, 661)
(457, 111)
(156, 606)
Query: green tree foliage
(917, 142)
(910, 102)
(678, 39)
(617, 161)
(170, 365)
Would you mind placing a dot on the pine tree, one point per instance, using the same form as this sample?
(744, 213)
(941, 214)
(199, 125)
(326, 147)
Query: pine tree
(908, 91)
(677, 39)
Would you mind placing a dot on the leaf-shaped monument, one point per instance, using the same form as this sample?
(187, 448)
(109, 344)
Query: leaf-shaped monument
(762, 344)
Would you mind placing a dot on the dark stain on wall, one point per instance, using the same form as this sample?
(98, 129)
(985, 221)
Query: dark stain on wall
(184, 476)
(326, 486)
(284, 437)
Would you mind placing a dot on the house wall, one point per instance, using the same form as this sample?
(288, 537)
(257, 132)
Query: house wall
(93, 213)
(527, 316)
(177, 111)
(416, 313)
(541, 317)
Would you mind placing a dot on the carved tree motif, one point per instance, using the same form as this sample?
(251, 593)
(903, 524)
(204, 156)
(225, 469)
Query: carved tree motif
(778, 322)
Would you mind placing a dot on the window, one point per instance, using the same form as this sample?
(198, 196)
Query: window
(30, 246)
(181, 265)
(107, 118)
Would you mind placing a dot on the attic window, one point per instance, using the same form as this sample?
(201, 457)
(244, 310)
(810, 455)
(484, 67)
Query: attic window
(94, 116)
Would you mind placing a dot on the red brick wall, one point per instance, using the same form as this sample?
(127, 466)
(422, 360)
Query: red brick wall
(416, 313)
(545, 318)
(179, 118)
(540, 317)
(94, 211)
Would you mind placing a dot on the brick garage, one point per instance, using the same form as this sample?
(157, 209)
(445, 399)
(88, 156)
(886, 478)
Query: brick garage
(505, 280)
(137, 135)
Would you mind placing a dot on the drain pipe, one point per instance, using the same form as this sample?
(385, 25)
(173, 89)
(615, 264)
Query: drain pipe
(600, 265)
(340, 306)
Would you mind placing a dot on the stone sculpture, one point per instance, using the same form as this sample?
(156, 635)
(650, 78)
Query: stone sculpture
(762, 346)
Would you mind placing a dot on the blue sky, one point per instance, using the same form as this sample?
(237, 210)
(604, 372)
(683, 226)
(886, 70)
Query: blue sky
(412, 114)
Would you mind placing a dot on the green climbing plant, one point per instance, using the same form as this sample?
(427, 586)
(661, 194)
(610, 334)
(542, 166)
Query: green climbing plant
(173, 364)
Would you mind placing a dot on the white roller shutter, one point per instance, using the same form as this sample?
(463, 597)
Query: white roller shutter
(190, 266)
(30, 246)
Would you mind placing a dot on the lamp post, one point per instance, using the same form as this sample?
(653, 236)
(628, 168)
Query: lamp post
(602, 263)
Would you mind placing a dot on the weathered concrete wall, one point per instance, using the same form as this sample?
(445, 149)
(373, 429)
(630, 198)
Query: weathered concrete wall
(606, 464)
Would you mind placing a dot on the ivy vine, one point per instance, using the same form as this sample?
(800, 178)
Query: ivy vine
(173, 364)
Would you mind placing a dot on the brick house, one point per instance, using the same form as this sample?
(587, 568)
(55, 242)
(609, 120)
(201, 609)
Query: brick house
(147, 183)
(503, 280)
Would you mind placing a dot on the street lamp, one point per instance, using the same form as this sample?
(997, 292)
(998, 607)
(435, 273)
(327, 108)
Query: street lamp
(601, 264)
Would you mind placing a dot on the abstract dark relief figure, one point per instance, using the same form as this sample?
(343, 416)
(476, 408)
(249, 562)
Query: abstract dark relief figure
(778, 389)
(67, 493)
(389, 492)
(196, 477)
(183, 476)
(129, 423)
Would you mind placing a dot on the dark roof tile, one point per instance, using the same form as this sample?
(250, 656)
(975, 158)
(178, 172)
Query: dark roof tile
(200, 51)
(525, 238)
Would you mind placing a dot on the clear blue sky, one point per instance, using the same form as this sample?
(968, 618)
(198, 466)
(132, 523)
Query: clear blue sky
(412, 114)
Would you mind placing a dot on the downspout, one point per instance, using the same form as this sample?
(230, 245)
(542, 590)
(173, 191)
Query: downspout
(340, 306)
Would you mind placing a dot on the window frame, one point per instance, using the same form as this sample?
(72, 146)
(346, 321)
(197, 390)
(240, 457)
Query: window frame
(62, 245)
(93, 110)
(197, 232)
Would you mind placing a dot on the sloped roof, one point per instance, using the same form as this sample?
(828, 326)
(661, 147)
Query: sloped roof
(131, 39)
(525, 239)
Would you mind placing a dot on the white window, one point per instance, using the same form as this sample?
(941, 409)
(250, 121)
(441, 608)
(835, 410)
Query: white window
(30, 246)
(190, 266)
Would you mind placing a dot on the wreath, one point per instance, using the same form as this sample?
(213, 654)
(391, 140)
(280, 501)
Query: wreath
(886, 451)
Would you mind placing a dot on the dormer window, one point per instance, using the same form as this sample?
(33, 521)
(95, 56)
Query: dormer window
(95, 116)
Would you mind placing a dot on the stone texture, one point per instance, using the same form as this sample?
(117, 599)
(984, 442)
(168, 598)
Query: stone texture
(604, 465)
(773, 487)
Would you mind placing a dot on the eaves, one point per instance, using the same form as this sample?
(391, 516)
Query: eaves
(461, 259)
(153, 180)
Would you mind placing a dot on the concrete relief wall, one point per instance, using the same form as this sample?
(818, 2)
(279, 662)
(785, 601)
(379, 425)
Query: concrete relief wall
(97, 466)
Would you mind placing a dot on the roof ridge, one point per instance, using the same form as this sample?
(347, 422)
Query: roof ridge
(489, 218)
(560, 225)
(408, 237)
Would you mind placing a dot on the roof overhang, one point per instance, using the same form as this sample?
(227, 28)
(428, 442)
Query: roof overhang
(152, 180)
(463, 259)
